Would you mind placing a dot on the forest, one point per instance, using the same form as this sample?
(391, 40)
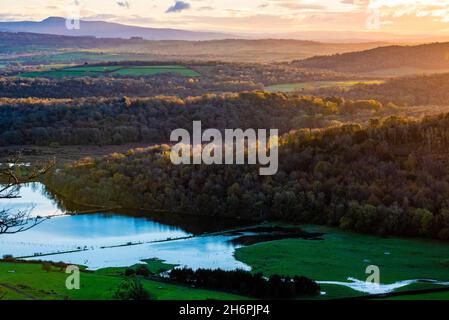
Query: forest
(432, 89)
(119, 87)
(426, 56)
(106, 121)
(388, 178)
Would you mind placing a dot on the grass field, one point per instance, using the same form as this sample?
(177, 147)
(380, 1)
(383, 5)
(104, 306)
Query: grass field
(404, 71)
(144, 71)
(130, 71)
(344, 254)
(425, 296)
(79, 56)
(291, 87)
(24, 281)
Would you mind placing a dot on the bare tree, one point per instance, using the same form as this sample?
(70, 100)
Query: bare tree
(11, 177)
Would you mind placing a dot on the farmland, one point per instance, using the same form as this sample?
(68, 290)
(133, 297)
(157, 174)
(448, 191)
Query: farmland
(312, 85)
(342, 255)
(404, 71)
(120, 70)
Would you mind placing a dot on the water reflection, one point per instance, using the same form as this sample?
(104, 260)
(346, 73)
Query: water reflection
(32, 196)
(93, 235)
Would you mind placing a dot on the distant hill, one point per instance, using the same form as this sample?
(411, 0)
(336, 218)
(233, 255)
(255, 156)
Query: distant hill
(430, 57)
(100, 29)
(240, 50)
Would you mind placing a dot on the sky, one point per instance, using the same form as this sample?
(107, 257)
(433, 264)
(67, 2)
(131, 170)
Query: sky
(249, 16)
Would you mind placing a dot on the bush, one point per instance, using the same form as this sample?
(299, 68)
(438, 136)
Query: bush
(143, 271)
(46, 266)
(132, 289)
(129, 272)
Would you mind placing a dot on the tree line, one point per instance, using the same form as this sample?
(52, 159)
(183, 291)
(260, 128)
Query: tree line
(247, 284)
(163, 84)
(107, 121)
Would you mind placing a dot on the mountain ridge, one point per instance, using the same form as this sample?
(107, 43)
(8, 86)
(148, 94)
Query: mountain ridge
(101, 29)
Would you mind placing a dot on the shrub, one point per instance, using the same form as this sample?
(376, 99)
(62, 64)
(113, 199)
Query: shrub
(132, 289)
(46, 266)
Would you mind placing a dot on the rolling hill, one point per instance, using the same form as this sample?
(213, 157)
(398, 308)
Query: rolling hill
(262, 50)
(429, 58)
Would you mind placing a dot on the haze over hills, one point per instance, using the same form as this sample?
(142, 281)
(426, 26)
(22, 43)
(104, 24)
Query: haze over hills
(242, 50)
(434, 56)
(172, 44)
(103, 29)
(100, 29)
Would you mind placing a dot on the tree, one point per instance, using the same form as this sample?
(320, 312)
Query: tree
(11, 177)
(132, 289)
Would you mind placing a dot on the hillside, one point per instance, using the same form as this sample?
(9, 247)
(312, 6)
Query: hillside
(263, 50)
(427, 56)
(389, 178)
(410, 90)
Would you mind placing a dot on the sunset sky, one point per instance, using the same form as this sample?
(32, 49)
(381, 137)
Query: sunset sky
(269, 16)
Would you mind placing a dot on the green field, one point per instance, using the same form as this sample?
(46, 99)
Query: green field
(425, 296)
(404, 71)
(291, 87)
(130, 71)
(29, 281)
(150, 70)
(80, 56)
(345, 254)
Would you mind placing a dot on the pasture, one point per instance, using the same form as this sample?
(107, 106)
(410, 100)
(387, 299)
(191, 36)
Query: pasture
(404, 71)
(120, 70)
(313, 85)
(29, 281)
(345, 254)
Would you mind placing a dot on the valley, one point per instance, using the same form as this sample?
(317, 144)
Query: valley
(87, 178)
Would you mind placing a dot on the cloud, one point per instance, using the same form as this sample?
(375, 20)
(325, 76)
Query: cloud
(178, 7)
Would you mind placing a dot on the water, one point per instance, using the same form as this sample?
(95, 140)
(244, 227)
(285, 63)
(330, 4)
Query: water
(32, 196)
(103, 240)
